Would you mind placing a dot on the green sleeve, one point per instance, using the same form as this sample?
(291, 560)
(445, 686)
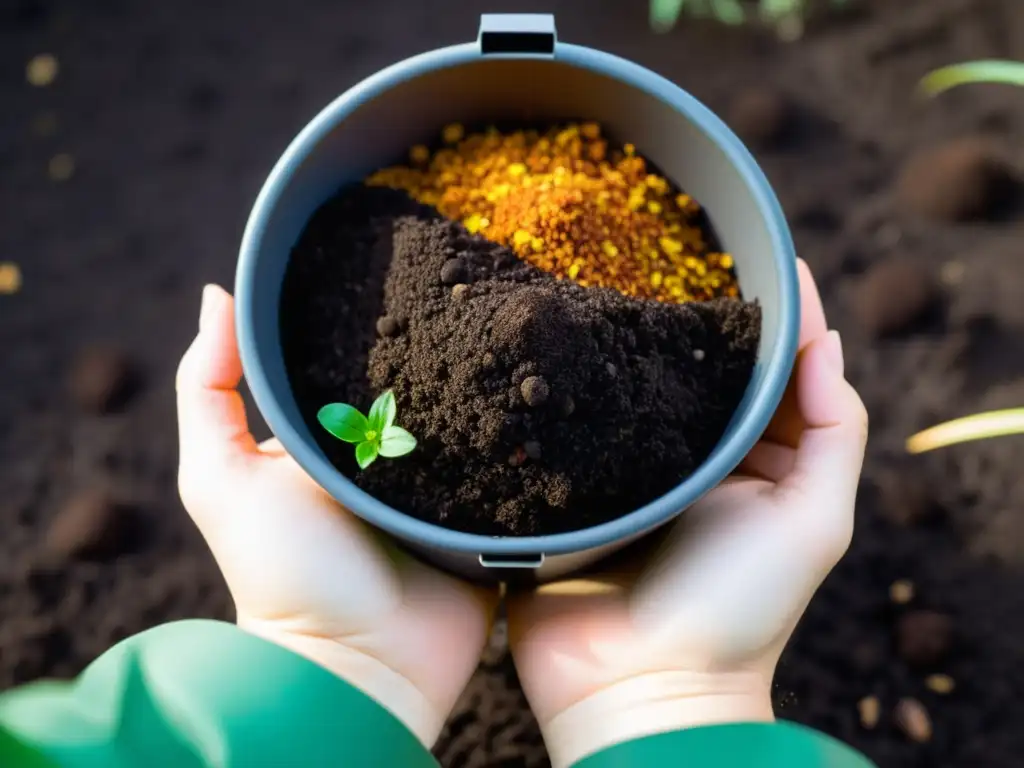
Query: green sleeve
(201, 694)
(766, 745)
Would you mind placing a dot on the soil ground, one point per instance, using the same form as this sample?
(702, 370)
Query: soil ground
(174, 113)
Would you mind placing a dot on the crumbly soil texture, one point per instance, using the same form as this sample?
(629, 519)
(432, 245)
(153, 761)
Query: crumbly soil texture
(901, 206)
(540, 406)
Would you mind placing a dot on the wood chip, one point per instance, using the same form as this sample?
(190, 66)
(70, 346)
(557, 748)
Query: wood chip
(901, 592)
(62, 167)
(42, 70)
(870, 710)
(10, 277)
(941, 684)
(912, 718)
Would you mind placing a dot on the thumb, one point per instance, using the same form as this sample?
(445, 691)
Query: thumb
(212, 426)
(826, 471)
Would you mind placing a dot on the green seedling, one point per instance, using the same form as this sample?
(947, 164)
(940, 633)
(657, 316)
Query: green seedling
(980, 426)
(374, 435)
(1010, 421)
(665, 13)
(988, 71)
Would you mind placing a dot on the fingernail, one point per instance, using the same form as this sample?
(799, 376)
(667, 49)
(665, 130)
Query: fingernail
(834, 351)
(206, 307)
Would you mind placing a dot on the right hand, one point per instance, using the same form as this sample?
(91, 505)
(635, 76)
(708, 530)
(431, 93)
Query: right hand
(692, 636)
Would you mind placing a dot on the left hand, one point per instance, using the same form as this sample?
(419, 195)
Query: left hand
(305, 573)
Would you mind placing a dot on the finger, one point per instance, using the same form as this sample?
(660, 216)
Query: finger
(828, 462)
(812, 311)
(787, 425)
(272, 447)
(212, 425)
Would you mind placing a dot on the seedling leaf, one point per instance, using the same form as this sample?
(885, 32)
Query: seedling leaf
(665, 13)
(366, 454)
(344, 422)
(374, 436)
(382, 412)
(396, 442)
(985, 71)
(980, 426)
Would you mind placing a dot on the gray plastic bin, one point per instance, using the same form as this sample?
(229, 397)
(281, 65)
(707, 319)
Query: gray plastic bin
(517, 69)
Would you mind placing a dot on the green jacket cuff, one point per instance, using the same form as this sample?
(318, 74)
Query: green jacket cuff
(199, 694)
(765, 745)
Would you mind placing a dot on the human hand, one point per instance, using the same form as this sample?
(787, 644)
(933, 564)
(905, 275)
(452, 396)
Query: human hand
(303, 572)
(693, 637)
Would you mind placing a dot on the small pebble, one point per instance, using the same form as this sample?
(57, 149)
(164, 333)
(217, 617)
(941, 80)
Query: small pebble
(532, 448)
(870, 710)
(941, 684)
(101, 379)
(459, 290)
(62, 167)
(387, 326)
(698, 355)
(518, 457)
(952, 273)
(901, 592)
(924, 637)
(611, 369)
(893, 295)
(534, 390)
(10, 277)
(912, 718)
(453, 271)
(42, 70)
(489, 360)
(567, 406)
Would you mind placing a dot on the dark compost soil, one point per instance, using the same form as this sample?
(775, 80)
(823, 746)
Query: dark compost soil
(173, 114)
(540, 406)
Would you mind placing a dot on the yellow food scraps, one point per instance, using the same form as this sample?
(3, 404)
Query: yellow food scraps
(42, 70)
(10, 277)
(566, 202)
(61, 167)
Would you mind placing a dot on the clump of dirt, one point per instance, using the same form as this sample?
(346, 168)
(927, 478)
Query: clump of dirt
(958, 181)
(894, 295)
(906, 498)
(924, 637)
(761, 116)
(92, 524)
(102, 379)
(539, 405)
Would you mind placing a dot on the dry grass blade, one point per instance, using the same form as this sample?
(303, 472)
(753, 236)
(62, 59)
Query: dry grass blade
(980, 426)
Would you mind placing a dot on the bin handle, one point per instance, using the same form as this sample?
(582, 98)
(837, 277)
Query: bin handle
(517, 35)
(524, 561)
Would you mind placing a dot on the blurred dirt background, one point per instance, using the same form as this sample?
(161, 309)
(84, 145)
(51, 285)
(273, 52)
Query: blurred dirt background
(129, 162)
